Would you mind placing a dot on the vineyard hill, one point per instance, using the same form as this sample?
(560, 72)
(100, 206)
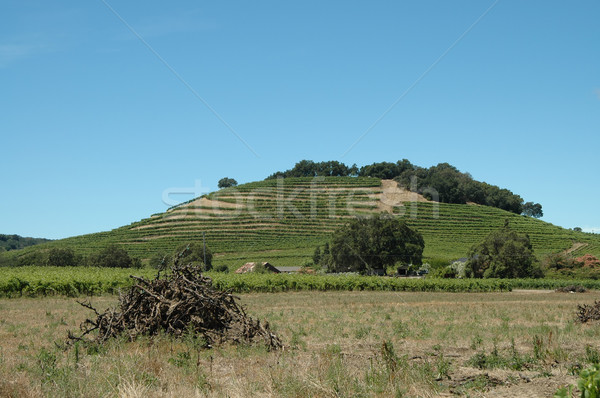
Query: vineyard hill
(282, 221)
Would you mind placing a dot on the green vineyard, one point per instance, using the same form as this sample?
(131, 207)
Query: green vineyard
(282, 221)
(85, 281)
(89, 281)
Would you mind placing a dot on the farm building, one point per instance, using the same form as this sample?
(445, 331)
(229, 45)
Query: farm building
(251, 267)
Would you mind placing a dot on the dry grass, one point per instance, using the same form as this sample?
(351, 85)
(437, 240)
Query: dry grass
(339, 344)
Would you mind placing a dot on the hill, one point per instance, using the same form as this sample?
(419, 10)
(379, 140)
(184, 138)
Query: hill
(16, 242)
(283, 220)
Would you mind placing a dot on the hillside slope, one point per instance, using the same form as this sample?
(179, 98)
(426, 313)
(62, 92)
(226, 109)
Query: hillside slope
(282, 221)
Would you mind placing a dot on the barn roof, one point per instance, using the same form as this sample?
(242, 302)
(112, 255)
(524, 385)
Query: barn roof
(250, 267)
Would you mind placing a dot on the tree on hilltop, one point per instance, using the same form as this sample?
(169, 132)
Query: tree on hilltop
(533, 210)
(227, 182)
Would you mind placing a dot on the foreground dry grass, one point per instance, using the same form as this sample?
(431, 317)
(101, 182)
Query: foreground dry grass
(339, 344)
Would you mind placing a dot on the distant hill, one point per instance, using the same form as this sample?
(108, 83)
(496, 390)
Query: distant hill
(16, 242)
(282, 220)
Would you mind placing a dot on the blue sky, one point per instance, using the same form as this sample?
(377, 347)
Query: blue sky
(107, 105)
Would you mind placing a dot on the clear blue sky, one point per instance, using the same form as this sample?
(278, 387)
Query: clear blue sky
(95, 124)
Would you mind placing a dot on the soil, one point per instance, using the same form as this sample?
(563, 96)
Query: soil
(576, 245)
(394, 196)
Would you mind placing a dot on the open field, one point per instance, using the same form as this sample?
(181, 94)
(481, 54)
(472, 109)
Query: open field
(513, 344)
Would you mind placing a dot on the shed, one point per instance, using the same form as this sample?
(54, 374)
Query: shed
(250, 267)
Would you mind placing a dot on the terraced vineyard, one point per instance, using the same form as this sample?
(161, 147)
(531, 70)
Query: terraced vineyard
(282, 221)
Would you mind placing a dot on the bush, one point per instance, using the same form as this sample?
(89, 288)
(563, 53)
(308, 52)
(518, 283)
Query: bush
(61, 258)
(558, 261)
(195, 253)
(446, 272)
(113, 256)
(588, 383)
(159, 261)
(221, 268)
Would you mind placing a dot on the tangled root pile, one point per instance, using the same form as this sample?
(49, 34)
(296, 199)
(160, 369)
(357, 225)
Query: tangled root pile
(179, 302)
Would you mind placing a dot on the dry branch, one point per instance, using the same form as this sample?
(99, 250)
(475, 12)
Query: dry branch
(588, 312)
(182, 301)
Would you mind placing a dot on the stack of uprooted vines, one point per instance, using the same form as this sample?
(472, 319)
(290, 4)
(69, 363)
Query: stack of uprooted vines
(571, 289)
(179, 302)
(588, 312)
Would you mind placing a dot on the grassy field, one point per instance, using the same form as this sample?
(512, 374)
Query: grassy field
(283, 221)
(339, 344)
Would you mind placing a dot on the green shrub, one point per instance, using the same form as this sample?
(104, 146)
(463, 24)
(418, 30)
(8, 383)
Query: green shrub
(444, 272)
(195, 253)
(112, 256)
(61, 258)
(588, 383)
(221, 268)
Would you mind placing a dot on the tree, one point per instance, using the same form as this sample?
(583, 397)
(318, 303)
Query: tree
(317, 255)
(308, 168)
(577, 229)
(194, 253)
(533, 210)
(159, 261)
(368, 244)
(61, 258)
(113, 256)
(385, 170)
(503, 254)
(227, 182)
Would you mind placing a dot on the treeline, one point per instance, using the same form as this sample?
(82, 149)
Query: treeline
(16, 242)
(308, 168)
(111, 256)
(443, 182)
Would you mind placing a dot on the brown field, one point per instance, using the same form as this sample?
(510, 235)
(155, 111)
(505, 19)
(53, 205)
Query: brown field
(339, 344)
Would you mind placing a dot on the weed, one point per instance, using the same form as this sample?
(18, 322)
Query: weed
(476, 342)
(182, 360)
(333, 349)
(296, 341)
(565, 392)
(93, 348)
(47, 363)
(592, 355)
(391, 360)
(539, 349)
(442, 367)
(362, 332)
(76, 353)
(494, 359)
(202, 383)
(400, 329)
